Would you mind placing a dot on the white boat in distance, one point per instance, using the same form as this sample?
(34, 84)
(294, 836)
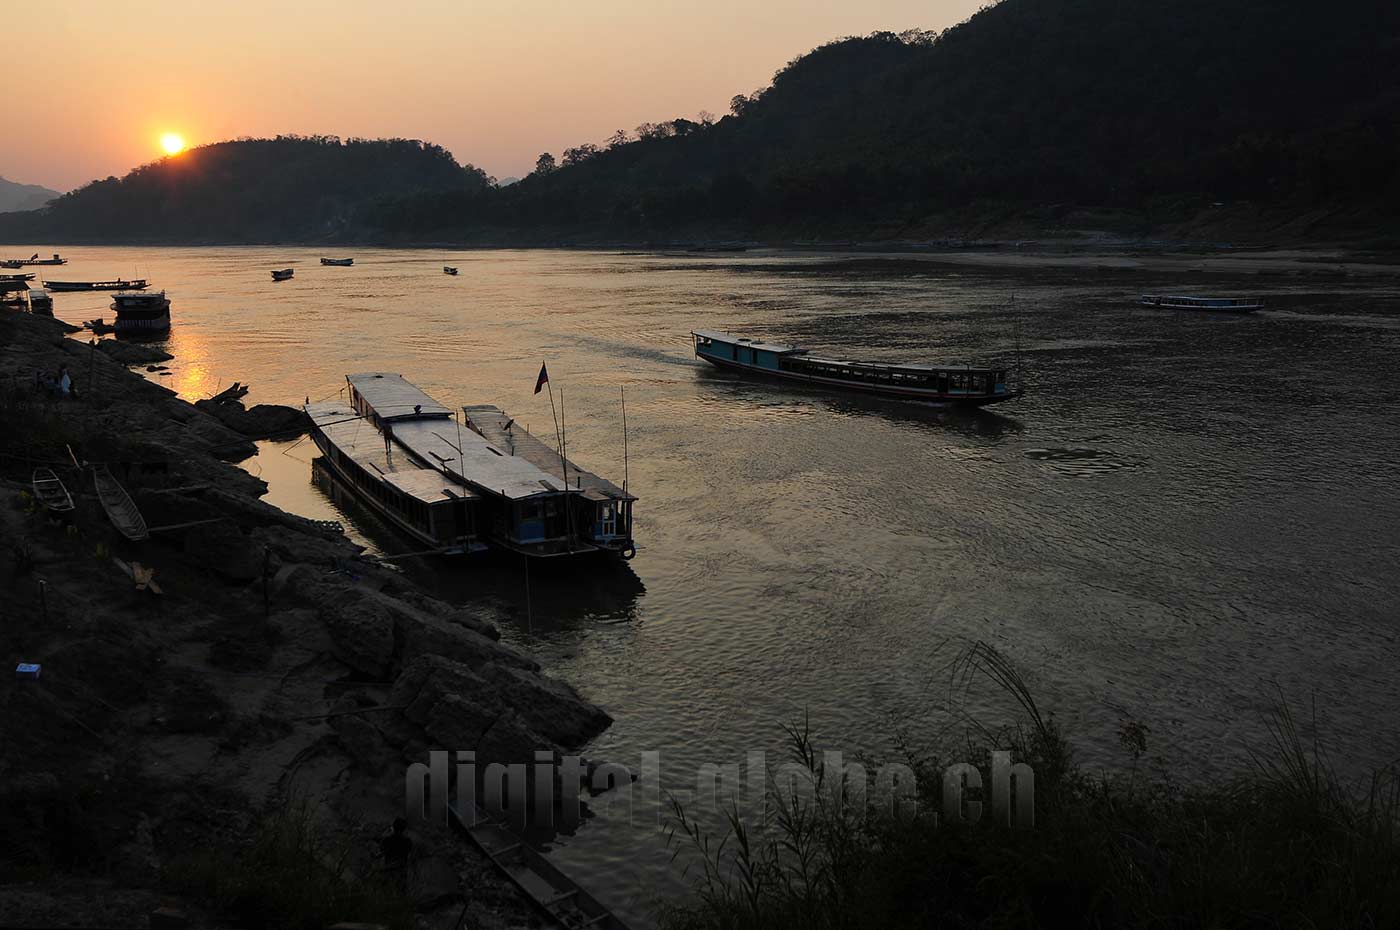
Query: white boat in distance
(281, 274)
(1219, 304)
(338, 262)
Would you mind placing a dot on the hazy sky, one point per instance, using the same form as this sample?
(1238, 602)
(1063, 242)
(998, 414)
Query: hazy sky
(496, 83)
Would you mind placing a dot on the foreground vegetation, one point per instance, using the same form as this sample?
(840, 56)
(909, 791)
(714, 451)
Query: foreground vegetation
(1287, 845)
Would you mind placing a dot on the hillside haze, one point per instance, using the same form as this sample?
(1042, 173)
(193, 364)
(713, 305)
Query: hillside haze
(16, 196)
(1151, 111)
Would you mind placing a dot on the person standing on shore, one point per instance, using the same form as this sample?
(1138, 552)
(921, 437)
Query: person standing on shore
(397, 849)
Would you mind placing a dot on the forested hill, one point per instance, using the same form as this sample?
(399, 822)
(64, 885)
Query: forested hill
(1158, 108)
(247, 190)
(1133, 107)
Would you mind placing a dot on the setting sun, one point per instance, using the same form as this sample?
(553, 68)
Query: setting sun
(173, 143)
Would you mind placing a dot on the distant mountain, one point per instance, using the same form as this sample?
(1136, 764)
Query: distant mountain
(15, 196)
(249, 190)
(1142, 111)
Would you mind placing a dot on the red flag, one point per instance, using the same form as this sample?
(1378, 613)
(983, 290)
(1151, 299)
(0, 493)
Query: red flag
(542, 379)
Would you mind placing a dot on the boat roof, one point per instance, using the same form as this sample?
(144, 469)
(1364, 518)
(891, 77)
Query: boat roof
(359, 441)
(393, 398)
(778, 347)
(474, 461)
(511, 438)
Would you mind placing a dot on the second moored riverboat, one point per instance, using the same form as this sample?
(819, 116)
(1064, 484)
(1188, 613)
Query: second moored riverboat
(942, 384)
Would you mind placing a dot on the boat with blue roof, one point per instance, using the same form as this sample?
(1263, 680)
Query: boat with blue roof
(941, 384)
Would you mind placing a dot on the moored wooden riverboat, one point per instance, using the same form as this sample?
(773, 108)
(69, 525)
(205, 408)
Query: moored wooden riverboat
(943, 384)
(338, 262)
(141, 314)
(420, 502)
(601, 513)
(282, 274)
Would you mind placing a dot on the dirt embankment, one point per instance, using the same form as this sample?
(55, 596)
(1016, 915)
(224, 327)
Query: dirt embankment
(168, 730)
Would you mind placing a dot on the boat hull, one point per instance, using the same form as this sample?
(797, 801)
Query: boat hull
(857, 387)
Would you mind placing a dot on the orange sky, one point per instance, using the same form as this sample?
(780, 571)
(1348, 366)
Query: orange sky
(495, 82)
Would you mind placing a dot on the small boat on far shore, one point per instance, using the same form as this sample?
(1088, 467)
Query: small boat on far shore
(33, 260)
(116, 284)
(448, 269)
(282, 274)
(338, 262)
(1219, 304)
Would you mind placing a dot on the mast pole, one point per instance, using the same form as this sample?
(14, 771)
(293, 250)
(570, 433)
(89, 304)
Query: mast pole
(623, 389)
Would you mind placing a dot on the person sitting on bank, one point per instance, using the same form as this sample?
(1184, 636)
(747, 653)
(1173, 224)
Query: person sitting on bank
(397, 849)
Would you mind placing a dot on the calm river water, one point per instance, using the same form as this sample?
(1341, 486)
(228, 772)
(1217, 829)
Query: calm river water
(1184, 510)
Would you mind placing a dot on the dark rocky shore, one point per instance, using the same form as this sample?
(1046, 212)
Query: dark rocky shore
(169, 730)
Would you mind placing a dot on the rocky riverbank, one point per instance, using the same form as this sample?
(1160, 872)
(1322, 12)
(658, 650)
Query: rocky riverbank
(280, 674)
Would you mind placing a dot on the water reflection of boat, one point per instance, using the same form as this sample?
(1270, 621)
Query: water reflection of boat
(948, 384)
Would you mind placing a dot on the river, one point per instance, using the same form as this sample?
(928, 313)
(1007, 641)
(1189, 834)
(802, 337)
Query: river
(1183, 513)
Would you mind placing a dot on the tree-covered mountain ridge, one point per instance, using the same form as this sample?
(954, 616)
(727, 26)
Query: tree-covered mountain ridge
(1129, 114)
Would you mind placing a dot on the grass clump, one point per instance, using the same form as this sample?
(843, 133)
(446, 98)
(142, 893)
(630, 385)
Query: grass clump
(1285, 845)
(295, 875)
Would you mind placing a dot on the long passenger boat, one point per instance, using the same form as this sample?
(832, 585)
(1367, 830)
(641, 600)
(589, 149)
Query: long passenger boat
(116, 284)
(945, 384)
(601, 513)
(508, 501)
(1219, 304)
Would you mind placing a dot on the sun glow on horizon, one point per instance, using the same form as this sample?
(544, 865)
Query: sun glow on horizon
(172, 142)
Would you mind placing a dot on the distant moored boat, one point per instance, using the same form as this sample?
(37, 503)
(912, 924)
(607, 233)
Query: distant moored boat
(141, 314)
(282, 274)
(338, 262)
(33, 260)
(116, 284)
(448, 269)
(40, 302)
(1220, 304)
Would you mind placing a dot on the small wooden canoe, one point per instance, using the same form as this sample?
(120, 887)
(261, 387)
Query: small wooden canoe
(554, 893)
(121, 510)
(282, 274)
(338, 262)
(51, 492)
(448, 269)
